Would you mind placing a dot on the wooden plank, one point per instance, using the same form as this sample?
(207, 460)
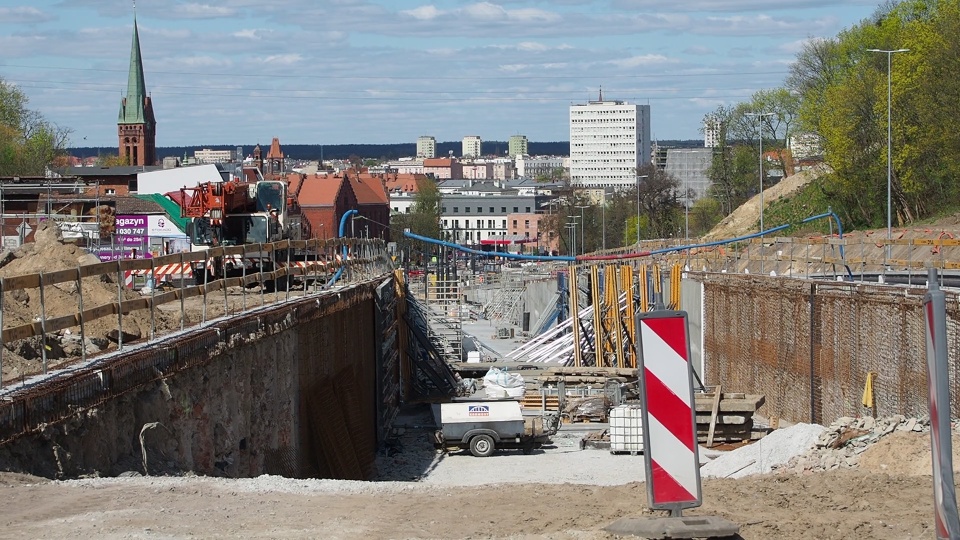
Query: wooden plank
(99, 312)
(28, 281)
(713, 415)
(725, 419)
(164, 297)
(128, 306)
(61, 276)
(62, 323)
(136, 264)
(166, 259)
(21, 332)
(98, 269)
(235, 250)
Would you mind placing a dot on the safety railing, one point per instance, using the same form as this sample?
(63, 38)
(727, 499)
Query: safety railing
(278, 270)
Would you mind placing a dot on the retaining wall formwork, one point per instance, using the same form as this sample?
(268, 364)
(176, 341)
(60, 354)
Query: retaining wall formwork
(808, 345)
(291, 389)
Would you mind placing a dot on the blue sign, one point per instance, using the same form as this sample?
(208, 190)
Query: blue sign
(478, 410)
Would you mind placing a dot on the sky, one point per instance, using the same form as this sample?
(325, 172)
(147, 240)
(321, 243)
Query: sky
(240, 72)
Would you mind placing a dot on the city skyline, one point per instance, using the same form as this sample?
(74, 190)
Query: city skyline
(388, 72)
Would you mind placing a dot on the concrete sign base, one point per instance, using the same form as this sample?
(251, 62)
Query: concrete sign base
(674, 527)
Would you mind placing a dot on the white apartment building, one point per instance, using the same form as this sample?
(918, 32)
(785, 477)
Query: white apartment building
(214, 156)
(426, 147)
(609, 139)
(532, 167)
(471, 146)
(711, 132)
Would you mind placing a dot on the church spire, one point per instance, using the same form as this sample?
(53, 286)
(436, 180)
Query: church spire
(131, 109)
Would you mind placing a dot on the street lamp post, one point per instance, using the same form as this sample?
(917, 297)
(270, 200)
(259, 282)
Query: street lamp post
(638, 206)
(760, 126)
(889, 54)
(582, 235)
(572, 225)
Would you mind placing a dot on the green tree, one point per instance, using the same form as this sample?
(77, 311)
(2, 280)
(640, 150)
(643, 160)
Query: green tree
(28, 142)
(423, 219)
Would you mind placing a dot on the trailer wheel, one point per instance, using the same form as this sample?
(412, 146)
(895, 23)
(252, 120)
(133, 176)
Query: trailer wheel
(482, 445)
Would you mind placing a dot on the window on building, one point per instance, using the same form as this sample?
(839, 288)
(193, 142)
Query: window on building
(504, 224)
(526, 224)
(479, 210)
(456, 209)
(503, 209)
(466, 209)
(110, 191)
(491, 209)
(514, 224)
(443, 209)
(516, 209)
(528, 210)
(456, 223)
(466, 223)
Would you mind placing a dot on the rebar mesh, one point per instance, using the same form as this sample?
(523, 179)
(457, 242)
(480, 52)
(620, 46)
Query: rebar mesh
(808, 345)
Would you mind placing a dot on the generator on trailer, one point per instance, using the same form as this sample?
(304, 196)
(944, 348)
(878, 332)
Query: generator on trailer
(482, 426)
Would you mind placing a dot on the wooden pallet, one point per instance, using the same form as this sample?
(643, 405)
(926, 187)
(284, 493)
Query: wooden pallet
(536, 400)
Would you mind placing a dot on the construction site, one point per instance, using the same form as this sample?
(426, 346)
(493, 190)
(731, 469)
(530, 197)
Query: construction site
(283, 401)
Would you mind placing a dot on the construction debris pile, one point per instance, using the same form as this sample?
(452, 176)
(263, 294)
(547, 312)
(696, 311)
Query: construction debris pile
(765, 455)
(841, 445)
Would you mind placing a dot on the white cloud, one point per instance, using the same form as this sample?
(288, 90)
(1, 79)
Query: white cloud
(247, 33)
(643, 60)
(201, 11)
(424, 13)
(282, 59)
(24, 15)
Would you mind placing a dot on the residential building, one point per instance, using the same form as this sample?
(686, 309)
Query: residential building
(532, 167)
(711, 132)
(472, 146)
(443, 168)
(503, 169)
(426, 147)
(478, 170)
(690, 166)
(214, 156)
(609, 140)
(136, 124)
(517, 146)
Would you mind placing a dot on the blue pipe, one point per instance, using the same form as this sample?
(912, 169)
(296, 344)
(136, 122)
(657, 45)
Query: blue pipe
(343, 224)
(506, 255)
(567, 258)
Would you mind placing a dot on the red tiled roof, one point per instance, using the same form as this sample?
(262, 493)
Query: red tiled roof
(368, 189)
(317, 190)
(438, 162)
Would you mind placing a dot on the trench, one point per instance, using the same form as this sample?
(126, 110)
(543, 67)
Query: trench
(304, 389)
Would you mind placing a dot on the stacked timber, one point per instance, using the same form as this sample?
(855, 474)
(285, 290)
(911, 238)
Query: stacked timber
(586, 375)
(727, 417)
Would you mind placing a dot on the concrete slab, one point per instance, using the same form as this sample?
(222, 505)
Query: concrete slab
(675, 527)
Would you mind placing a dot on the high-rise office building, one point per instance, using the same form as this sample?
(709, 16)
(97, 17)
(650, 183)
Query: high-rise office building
(711, 132)
(609, 140)
(426, 147)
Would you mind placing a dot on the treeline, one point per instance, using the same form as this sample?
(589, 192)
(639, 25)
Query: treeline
(836, 97)
(365, 151)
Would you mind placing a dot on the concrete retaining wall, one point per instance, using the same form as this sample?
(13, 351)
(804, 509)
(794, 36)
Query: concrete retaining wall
(289, 390)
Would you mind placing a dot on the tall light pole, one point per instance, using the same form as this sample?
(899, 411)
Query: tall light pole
(582, 235)
(760, 126)
(638, 206)
(686, 211)
(889, 54)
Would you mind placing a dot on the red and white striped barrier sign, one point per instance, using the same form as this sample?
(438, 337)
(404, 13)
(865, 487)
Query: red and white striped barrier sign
(669, 427)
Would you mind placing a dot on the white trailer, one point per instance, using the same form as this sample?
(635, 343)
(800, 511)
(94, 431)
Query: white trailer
(482, 426)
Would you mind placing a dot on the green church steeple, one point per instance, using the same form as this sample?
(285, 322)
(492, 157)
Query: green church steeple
(131, 108)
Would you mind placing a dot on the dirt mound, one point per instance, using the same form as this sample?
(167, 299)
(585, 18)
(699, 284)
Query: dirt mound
(48, 253)
(744, 219)
(906, 454)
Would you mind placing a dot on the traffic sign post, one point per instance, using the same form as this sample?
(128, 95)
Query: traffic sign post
(670, 447)
(946, 521)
